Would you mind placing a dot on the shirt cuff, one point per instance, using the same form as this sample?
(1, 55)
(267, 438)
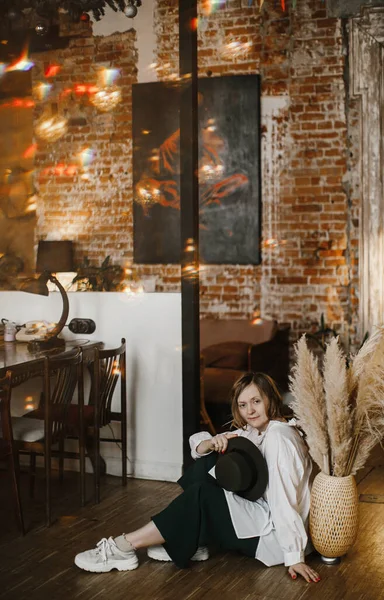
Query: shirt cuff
(195, 440)
(292, 558)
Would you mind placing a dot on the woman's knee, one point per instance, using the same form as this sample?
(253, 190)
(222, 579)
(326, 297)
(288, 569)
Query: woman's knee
(207, 491)
(202, 488)
(198, 472)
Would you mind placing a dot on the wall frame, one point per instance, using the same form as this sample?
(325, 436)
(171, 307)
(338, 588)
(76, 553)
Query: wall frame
(229, 171)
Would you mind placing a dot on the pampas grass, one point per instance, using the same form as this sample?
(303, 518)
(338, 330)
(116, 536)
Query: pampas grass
(369, 409)
(358, 363)
(341, 411)
(337, 406)
(309, 404)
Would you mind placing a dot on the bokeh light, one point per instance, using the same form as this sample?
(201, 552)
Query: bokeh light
(86, 157)
(41, 91)
(208, 7)
(106, 98)
(234, 49)
(30, 151)
(51, 129)
(52, 70)
(109, 76)
(21, 64)
(256, 318)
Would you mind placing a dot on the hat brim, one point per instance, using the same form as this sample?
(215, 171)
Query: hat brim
(243, 444)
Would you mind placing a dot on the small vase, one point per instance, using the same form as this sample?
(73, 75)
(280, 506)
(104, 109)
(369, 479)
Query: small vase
(333, 520)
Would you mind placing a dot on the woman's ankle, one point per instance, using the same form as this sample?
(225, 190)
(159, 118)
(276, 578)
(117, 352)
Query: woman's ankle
(123, 543)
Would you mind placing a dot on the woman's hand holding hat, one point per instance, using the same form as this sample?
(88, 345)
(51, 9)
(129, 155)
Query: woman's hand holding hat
(217, 443)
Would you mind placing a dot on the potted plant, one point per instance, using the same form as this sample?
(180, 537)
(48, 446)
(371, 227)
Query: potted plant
(341, 411)
(106, 278)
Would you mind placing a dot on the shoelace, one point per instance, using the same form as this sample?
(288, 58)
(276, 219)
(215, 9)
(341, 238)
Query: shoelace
(104, 548)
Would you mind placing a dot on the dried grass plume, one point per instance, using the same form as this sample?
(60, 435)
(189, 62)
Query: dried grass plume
(341, 410)
(338, 408)
(309, 403)
(369, 410)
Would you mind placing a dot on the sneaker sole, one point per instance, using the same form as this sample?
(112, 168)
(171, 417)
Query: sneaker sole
(159, 556)
(199, 556)
(120, 565)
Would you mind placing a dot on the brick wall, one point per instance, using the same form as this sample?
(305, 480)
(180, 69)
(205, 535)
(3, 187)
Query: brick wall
(310, 200)
(88, 204)
(309, 228)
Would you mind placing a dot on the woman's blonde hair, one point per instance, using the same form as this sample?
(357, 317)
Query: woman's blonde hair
(268, 389)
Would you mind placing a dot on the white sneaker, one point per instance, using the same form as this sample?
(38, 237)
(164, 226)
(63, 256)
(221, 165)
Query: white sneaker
(105, 557)
(160, 553)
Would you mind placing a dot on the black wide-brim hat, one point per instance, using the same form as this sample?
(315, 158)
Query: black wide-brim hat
(242, 469)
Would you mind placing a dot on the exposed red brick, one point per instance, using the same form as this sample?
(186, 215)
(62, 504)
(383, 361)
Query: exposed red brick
(313, 262)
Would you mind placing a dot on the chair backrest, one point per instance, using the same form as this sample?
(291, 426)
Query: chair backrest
(109, 365)
(24, 371)
(61, 375)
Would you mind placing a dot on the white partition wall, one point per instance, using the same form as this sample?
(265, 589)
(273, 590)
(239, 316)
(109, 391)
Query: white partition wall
(151, 324)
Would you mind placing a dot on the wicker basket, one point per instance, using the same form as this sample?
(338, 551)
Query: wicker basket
(333, 518)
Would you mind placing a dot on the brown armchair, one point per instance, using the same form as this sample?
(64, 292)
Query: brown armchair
(231, 347)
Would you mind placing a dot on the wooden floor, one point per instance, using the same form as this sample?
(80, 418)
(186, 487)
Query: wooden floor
(40, 565)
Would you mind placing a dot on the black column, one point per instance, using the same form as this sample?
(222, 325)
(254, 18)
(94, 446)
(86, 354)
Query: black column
(189, 206)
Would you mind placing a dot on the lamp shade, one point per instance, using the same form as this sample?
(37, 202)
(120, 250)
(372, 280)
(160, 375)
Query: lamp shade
(55, 257)
(36, 286)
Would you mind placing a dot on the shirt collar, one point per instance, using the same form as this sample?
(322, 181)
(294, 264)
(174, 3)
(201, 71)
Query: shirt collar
(258, 437)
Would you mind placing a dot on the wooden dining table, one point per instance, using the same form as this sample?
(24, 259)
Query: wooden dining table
(17, 353)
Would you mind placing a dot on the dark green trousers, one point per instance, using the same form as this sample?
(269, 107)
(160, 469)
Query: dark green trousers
(199, 516)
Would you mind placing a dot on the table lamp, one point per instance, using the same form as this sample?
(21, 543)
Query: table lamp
(52, 257)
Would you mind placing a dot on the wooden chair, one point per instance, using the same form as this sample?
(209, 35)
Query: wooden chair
(36, 436)
(106, 368)
(7, 449)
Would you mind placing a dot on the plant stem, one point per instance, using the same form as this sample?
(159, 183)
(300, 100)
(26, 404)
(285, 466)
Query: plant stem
(326, 468)
(352, 454)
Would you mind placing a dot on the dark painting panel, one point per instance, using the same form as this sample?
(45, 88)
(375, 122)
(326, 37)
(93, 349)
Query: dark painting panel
(229, 171)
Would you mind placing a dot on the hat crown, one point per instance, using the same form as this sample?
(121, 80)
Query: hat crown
(242, 469)
(235, 472)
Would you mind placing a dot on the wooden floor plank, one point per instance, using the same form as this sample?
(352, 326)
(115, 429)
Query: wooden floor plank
(40, 565)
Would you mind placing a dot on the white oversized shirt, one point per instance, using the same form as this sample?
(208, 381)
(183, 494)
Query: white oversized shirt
(280, 517)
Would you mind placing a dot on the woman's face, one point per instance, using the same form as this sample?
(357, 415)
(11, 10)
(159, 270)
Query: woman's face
(253, 407)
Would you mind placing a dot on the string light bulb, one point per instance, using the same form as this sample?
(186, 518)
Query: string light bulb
(130, 11)
(41, 28)
(131, 7)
